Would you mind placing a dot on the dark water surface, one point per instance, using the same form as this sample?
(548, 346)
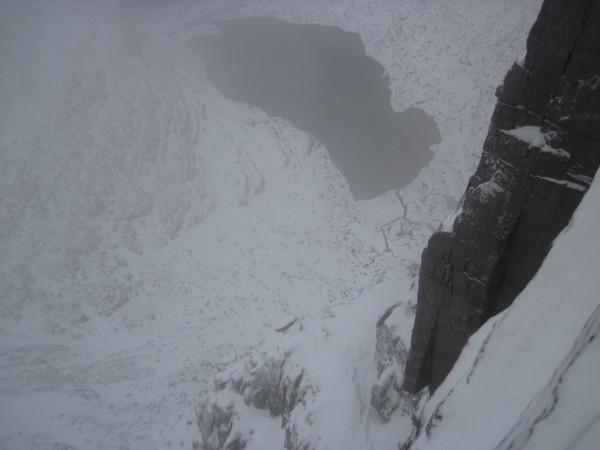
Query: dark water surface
(320, 79)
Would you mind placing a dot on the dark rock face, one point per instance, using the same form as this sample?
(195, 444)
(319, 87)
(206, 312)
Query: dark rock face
(539, 158)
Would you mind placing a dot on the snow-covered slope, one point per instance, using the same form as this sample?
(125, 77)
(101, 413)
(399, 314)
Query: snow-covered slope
(150, 228)
(528, 378)
(311, 386)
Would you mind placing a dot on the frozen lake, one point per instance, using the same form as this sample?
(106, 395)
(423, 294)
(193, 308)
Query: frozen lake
(320, 79)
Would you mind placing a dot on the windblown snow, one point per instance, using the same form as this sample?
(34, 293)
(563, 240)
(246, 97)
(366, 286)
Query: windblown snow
(156, 235)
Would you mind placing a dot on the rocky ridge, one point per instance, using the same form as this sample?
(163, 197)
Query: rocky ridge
(539, 158)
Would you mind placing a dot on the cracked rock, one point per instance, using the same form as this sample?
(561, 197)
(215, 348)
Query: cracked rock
(540, 156)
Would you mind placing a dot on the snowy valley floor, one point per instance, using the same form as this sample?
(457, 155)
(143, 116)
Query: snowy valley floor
(154, 233)
(526, 379)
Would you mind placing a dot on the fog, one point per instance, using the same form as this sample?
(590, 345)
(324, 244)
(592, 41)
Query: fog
(320, 79)
(149, 227)
(131, 12)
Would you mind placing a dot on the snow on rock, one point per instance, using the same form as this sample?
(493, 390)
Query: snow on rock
(285, 323)
(530, 134)
(533, 136)
(488, 189)
(391, 352)
(560, 152)
(448, 223)
(520, 197)
(153, 231)
(527, 379)
(566, 183)
(315, 383)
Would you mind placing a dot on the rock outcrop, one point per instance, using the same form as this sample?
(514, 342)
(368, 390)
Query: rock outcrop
(265, 380)
(386, 393)
(539, 158)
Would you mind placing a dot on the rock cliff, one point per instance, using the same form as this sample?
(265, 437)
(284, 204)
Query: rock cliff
(540, 155)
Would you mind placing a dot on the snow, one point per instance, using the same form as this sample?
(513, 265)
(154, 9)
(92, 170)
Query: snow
(567, 401)
(448, 223)
(533, 136)
(529, 134)
(488, 189)
(337, 358)
(566, 183)
(153, 232)
(528, 377)
(561, 153)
